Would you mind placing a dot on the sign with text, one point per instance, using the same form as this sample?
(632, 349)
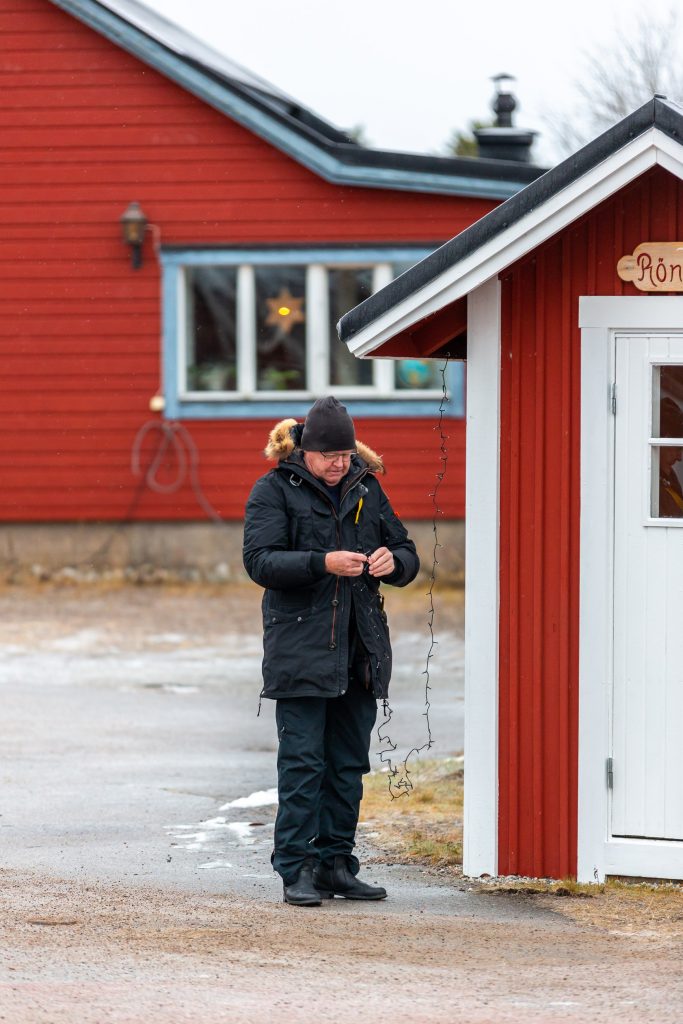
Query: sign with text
(654, 267)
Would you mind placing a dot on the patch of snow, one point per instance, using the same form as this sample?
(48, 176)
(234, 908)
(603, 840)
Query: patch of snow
(79, 641)
(212, 864)
(261, 798)
(167, 638)
(243, 831)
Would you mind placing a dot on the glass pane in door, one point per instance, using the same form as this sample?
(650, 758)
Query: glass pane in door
(666, 500)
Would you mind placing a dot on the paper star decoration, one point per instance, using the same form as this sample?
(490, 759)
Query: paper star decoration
(285, 311)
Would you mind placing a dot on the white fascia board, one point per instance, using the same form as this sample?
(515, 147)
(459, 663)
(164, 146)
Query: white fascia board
(598, 184)
(669, 155)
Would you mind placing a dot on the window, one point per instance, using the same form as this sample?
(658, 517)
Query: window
(246, 327)
(666, 442)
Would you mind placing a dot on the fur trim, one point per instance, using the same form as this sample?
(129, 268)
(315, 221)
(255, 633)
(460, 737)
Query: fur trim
(373, 460)
(282, 441)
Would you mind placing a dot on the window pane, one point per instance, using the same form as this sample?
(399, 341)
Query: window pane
(667, 472)
(416, 374)
(281, 328)
(211, 329)
(347, 287)
(667, 401)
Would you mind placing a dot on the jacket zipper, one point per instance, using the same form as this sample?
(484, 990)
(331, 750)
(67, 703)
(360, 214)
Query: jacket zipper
(335, 601)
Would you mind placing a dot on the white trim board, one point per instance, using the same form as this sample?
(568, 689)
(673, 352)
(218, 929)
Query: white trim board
(651, 148)
(482, 503)
(598, 853)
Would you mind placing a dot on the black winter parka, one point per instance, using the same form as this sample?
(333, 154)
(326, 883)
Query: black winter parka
(290, 525)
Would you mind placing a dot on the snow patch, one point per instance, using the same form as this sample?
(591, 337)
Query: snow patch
(79, 641)
(167, 638)
(261, 798)
(243, 831)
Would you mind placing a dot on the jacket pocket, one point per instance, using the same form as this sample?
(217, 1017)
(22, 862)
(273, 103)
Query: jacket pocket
(324, 527)
(287, 605)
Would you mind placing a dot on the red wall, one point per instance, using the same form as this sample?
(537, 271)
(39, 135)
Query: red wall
(539, 539)
(86, 128)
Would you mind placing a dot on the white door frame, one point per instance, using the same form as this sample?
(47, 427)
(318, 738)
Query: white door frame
(600, 318)
(482, 502)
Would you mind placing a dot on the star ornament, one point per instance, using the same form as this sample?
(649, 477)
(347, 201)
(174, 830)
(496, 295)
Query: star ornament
(285, 311)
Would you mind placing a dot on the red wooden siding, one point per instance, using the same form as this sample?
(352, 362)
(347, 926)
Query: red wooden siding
(539, 536)
(86, 128)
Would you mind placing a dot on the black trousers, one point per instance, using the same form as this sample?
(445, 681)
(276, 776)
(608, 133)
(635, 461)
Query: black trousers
(322, 757)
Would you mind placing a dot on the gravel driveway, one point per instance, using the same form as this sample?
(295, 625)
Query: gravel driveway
(136, 825)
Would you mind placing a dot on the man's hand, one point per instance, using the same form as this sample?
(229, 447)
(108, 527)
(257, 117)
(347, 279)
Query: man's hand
(381, 562)
(345, 563)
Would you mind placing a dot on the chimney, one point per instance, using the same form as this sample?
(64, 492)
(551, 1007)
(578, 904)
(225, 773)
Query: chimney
(504, 141)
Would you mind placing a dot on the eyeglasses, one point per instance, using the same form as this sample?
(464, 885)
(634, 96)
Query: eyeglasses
(334, 456)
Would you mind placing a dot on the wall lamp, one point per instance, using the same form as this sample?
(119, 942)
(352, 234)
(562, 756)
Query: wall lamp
(133, 227)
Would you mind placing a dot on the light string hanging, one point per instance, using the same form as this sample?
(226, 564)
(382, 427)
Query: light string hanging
(400, 782)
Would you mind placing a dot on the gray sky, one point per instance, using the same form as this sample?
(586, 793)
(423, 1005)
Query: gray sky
(410, 70)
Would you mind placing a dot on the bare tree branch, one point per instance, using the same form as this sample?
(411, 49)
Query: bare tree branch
(643, 61)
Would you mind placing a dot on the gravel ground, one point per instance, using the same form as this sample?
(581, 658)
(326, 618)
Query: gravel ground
(134, 888)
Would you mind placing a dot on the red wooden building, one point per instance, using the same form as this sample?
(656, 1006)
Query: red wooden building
(564, 303)
(264, 225)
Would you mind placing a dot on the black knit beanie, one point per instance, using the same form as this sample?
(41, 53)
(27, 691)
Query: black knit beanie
(328, 428)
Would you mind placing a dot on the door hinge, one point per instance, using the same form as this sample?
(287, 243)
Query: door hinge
(609, 765)
(613, 399)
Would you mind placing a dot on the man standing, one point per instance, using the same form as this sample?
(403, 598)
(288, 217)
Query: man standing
(320, 536)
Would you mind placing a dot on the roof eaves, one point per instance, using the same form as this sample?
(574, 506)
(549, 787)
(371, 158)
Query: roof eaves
(657, 112)
(318, 150)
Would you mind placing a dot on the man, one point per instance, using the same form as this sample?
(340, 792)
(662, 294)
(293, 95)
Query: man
(320, 536)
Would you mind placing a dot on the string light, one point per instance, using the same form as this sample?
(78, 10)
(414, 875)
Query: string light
(400, 783)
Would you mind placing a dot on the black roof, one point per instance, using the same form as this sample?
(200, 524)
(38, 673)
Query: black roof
(657, 112)
(282, 120)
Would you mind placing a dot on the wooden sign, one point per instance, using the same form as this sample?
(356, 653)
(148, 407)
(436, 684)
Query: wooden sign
(654, 267)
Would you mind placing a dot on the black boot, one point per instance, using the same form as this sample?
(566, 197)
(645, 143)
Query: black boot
(337, 880)
(303, 893)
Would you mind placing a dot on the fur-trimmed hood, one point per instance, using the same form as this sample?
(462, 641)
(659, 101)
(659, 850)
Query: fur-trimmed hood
(285, 438)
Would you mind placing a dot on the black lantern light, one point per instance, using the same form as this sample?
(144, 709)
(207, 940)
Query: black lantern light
(133, 227)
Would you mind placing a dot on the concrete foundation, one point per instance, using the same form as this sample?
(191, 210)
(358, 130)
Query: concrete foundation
(156, 552)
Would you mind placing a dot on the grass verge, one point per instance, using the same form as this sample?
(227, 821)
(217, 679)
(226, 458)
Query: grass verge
(424, 827)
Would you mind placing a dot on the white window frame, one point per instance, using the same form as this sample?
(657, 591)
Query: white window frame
(657, 442)
(317, 330)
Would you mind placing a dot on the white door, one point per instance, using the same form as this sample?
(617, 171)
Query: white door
(647, 706)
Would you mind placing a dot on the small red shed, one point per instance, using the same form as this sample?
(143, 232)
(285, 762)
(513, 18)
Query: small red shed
(264, 223)
(564, 302)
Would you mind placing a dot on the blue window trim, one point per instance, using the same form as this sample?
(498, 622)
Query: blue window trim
(255, 408)
(291, 255)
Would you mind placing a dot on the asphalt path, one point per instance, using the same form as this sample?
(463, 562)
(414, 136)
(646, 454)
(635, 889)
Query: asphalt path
(136, 816)
(134, 749)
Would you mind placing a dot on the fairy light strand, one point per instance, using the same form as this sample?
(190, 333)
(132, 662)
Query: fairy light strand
(400, 782)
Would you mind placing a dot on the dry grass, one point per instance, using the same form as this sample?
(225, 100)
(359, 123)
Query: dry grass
(646, 909)
(423, 826)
